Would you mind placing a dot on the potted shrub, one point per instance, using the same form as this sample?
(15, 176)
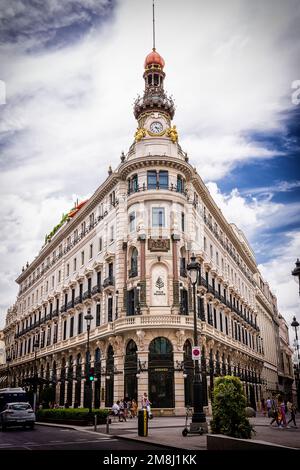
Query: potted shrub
(229, 408)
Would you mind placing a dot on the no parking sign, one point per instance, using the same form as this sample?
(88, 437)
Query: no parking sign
(196, 353)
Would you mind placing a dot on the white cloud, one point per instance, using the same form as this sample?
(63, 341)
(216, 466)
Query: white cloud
(278, 273)
(69, 114)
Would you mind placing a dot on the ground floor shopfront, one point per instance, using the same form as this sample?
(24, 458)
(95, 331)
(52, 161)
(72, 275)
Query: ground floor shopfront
(127, 366)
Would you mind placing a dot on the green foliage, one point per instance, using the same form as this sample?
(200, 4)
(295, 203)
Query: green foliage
(65, 414)
(47, 395)
(54, 230)
(228, 408)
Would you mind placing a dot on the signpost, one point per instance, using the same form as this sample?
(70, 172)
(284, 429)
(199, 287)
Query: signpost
(196, 353)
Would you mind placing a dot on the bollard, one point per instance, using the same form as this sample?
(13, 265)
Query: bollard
(95, 423)
(143, 423)
(108, 421)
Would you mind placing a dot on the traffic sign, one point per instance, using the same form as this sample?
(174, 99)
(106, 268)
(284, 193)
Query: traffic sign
(196, 353)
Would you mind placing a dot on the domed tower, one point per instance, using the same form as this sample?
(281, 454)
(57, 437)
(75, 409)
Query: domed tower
(155, 110)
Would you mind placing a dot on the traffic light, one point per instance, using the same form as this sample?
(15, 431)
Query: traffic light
(91, 375)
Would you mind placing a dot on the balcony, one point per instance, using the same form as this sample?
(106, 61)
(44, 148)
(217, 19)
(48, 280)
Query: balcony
(141, 188)
(63, 309)
(96, 290)
(70, 305)
(132, 273)
(87, 295)
(78, 300)
(109, 281)
(55, 313)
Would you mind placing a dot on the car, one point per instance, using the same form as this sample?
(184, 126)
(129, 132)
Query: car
(17, 414)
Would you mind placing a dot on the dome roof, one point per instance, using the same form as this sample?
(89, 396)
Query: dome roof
(154, 58)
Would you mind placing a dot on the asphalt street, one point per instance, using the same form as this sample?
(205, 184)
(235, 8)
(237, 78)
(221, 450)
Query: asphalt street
(53, 438)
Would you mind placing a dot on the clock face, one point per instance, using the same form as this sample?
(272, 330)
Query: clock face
(156, 127)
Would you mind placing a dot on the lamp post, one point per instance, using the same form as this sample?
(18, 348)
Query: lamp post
(35, 376)
(88, 319)
(198, 418)
(8, 360)
(295, 324)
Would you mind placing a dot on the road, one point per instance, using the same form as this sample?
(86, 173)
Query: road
(54, 438)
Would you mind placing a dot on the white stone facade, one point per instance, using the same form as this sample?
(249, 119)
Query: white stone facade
(123, 258)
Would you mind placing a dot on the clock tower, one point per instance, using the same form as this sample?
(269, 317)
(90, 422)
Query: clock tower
(155, 110)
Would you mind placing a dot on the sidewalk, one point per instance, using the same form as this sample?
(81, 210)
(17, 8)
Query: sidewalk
(167, 431)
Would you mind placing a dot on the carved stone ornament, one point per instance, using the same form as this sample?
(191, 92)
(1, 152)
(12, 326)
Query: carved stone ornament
(159, 244)
(180, 338)
(140, 339)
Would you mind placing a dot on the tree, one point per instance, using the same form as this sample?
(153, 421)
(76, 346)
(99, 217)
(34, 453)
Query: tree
(228, 408)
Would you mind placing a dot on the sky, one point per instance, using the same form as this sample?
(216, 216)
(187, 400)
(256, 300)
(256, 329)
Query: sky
(70, 71)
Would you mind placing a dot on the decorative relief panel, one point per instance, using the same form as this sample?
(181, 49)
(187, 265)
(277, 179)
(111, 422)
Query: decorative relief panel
(158, 244)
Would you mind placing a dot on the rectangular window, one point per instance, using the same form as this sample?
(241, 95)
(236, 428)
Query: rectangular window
(110, 309)
(204, 244)
(221, 321)
(74, 264)
(68, 269)
(80, 292)
(110, 270)
(79, 329)
(163, 179)
(55, 333)
(82, 258)
(100, 244)
(98, 314)
(226, 325)
(71, 327)
(99, 279)
(112, 233)
(151, 179)
(215, 318)
(158, 217)
(65, 330)
(91, 251)
(59, 276)
(89, 285)
(132, 222)
(211, 251)
(182, 221)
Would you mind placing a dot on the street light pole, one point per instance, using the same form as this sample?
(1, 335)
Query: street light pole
(8, 359)
(198, 418)
(35, 377)
(295, 325)
(88, 319)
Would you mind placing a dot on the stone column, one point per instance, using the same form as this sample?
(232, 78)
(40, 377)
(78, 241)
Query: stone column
(143, 383)
(125, 278)
(176, 300)
(102, 383)
(179, 386)
(143, 302)
(119, 377)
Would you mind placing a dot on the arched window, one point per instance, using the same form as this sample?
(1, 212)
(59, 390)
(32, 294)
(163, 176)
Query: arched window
(161, 373)
(109, 382)
(134, 263)
(130, 371)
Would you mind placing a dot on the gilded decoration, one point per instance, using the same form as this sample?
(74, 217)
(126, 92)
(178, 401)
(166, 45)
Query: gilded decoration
(172, 133)
(140, 133)
(158, 244)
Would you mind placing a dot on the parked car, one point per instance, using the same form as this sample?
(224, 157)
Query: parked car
(17, 414)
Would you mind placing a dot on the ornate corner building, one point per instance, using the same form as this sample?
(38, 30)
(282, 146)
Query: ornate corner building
(122, 256)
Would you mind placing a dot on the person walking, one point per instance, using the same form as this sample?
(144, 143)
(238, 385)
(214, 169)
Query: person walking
(273, 412)
(292, 410)
(269, 407)
(134, 407)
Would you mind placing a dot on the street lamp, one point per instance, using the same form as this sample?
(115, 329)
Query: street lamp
(88, 319)
(296, 272)
(35, 376)
(295, 325)
(8, 360)
(198, 418)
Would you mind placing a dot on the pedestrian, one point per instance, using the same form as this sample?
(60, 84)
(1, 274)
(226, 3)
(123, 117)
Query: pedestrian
(115, 409)
(269, 407)
(134, 407)
(273, 412)
(122, 411)
(281, 413)
(293, 414)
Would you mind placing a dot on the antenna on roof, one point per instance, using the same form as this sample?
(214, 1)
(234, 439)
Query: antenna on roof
(153, 15)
